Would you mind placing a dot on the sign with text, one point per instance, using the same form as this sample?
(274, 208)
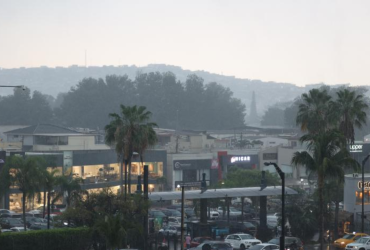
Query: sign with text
(366, 185)
(356, 148)
(192, 164)
(240, 159)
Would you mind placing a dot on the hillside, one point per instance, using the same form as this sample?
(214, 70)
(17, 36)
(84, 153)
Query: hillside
(52, 81)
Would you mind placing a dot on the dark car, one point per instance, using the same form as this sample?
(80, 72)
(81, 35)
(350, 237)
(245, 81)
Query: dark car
(7, 223)
(40, 226)
(289, 242)
(245, 227)
(213, 245)
(33, 220)
(199, 240)
(11, 215)
(171, 212)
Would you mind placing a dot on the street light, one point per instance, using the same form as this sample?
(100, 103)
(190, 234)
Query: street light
(282, 177)
(363, 192)
(182, 213)
(16, 86)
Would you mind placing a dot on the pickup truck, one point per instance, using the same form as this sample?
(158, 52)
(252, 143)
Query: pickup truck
(360, 244)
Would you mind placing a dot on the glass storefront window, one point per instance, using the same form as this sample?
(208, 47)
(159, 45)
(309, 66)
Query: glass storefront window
(366, 197)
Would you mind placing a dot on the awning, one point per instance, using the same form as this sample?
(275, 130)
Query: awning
(220, 193)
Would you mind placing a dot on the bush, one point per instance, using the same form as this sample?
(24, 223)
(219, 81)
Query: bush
(56, 239)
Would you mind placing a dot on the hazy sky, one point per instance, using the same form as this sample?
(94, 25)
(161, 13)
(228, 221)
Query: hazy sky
(292, 41)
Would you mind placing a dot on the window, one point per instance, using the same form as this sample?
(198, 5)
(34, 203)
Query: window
(51, 140)
(270, 156)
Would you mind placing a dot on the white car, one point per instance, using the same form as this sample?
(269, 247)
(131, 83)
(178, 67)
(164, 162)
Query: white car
(242, 241)
(18, 229)
(214, 215)
(233, 211)
(361, 244)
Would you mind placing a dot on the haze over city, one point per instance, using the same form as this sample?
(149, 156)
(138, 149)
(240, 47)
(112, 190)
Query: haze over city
(299, 42)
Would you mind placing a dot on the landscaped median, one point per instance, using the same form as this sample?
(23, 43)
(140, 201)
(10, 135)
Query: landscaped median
(56, 239)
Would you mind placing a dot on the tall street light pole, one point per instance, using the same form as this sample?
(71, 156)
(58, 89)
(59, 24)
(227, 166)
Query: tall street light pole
(182, 214)
(282, 177)
(363, 194)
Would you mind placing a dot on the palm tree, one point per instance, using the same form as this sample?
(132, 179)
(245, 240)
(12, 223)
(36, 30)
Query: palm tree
(314, 111)
(111, 228)
(123, 130)
(115, 135)
(350, 112)
(327, 156)
(50, 182)
(145, 137)
(69, 188)
(24, 174)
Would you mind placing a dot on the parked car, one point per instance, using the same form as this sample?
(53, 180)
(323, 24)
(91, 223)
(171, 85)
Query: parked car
(6, 211)
(171, 212)
(18, 229)
(6, 231)
(171, 230)
(199, 240)
(264, 246)
(33, 220)
(11, 215)
(245, 227)
(156, 213)
(39, 226)
(233, 211)
(362, 243)
(348, 238)
(214, 215)
(288, 242)
(175, 221)
(7, 223)
(213, 245)
(242, 241)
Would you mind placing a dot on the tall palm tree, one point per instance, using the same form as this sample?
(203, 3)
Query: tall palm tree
(69, 188)
(327, 156)
(24, 174)
(314, 111)
(123, 130)
(115, 135)
(350, 111)
(50, 182)
(145, 137)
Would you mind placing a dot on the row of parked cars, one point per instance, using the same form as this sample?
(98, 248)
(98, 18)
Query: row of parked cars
(11, 221)
(242, 242)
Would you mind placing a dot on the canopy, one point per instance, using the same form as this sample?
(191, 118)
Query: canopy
(220, 193)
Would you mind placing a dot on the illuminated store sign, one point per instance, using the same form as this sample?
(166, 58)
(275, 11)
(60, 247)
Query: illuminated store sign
(356, 148)
(366, 185)
(240, 159)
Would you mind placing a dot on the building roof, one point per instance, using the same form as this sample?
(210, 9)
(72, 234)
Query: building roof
(220, 193)
(42, 129)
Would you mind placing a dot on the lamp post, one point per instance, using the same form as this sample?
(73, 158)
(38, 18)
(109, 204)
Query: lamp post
(182, 214)
(363, 193)
(282, 177)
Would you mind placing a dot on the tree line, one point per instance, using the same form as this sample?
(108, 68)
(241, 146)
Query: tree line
(184, 105)
(284, 114)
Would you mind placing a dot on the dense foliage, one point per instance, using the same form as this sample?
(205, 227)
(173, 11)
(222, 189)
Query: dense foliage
(187, 105)
(56, 239)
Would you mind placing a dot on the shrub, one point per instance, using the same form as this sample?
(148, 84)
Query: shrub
(56, 239)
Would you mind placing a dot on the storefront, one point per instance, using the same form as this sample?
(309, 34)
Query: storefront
(353, 197)
(249, 161)
(191, 171)
(99, 169)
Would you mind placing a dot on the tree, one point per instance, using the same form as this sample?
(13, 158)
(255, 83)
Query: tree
(273, 116)
(24, 174)
(125, 130)
(350, 111)
(145, 137)
(314, 111)
(112, 230)
(326, 156)
(50, 181)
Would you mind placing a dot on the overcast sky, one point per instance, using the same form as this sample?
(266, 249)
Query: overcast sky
(294, 41)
